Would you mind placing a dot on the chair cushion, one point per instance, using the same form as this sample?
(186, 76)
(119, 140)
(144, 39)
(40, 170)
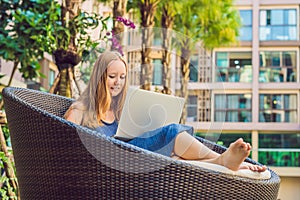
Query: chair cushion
(242, 172)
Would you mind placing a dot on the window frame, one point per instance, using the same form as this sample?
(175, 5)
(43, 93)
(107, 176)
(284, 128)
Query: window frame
(227, 71)
(228, 109)
(280, 72)
(276, 156)
(274, 111)
(266, 26)
(247, 28)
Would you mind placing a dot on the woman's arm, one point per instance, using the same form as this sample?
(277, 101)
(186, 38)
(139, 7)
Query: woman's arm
(74, 115)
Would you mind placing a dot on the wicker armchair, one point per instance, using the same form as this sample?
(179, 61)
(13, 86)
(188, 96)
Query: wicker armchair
(56, 159)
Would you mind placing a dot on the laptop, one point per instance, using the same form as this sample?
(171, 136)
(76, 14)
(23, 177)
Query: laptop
(147, 110)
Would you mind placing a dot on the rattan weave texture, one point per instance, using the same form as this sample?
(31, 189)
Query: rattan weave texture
(56, 159)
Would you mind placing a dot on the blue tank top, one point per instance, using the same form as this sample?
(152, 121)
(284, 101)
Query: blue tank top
(108, 129)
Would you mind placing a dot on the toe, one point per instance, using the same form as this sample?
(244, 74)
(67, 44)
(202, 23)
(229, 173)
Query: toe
(262, 168)
(249, 146)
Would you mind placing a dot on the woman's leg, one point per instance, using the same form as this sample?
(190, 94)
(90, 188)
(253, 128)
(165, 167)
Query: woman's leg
(189, 148)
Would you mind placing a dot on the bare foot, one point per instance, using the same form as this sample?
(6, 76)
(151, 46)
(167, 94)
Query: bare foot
(234, 156)
(255, 168)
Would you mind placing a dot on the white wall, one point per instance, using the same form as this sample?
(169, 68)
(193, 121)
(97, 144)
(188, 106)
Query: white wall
(289, 188)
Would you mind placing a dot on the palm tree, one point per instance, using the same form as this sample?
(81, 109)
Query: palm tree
(212, 22)
(147, 13)
(187, 23)
(220, 26)
(168, 13)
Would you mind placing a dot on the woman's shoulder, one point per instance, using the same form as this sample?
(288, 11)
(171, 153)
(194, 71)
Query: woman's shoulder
(78, 106)
(75, 113)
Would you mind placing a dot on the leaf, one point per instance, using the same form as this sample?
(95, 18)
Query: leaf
(42, 75)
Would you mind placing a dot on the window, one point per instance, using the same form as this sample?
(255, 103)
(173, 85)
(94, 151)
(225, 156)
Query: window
(278, 66)
(279, 24)
(192, 108)
(279, 149)
(246, 29)
(234, 67)
(133, 38)
(225, 139)
(278, 108)
(157, 72)
(194, 68)
(204, 105)
(51, 77)
(157, 39)
(233, 108)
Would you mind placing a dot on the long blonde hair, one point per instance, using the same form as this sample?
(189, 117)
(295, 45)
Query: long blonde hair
(96, 99)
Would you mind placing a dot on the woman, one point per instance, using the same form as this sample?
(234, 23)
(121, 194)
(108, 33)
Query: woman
(100, 106)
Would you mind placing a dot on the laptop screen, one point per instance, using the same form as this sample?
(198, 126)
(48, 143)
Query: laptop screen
(147, 110)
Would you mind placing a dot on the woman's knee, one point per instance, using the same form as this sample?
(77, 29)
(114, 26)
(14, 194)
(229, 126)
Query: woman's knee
(183, 142)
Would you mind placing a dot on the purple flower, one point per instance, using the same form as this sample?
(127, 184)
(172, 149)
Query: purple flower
(114, 41)
(119, 18)
(132, 26)
(126, 22)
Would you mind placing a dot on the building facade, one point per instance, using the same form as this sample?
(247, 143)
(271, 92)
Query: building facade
(255, 90)
(250, 90)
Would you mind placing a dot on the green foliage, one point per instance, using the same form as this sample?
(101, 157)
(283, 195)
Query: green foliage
(6, 133)
(84, 22)
(88, 62)
(51, 28)
(58, 36)
(8, 46)
(6, 190)
(27, 30)
(33, 27)
(220, 25)
(215, 23)
(133, 7)
(24, 22)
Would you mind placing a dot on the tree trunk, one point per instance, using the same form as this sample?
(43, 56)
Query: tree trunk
(167, 21)
(75, 90)
(119, 9)
(147, 10)
(146, 61)
(65, 59)
(54, 87)
(13, 73)
(70, 9)
(64, 84)
(185, 72)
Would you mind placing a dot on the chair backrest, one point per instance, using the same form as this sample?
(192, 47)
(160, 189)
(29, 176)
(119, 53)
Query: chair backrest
(51, 161)
(57, 159)
(45, 102)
